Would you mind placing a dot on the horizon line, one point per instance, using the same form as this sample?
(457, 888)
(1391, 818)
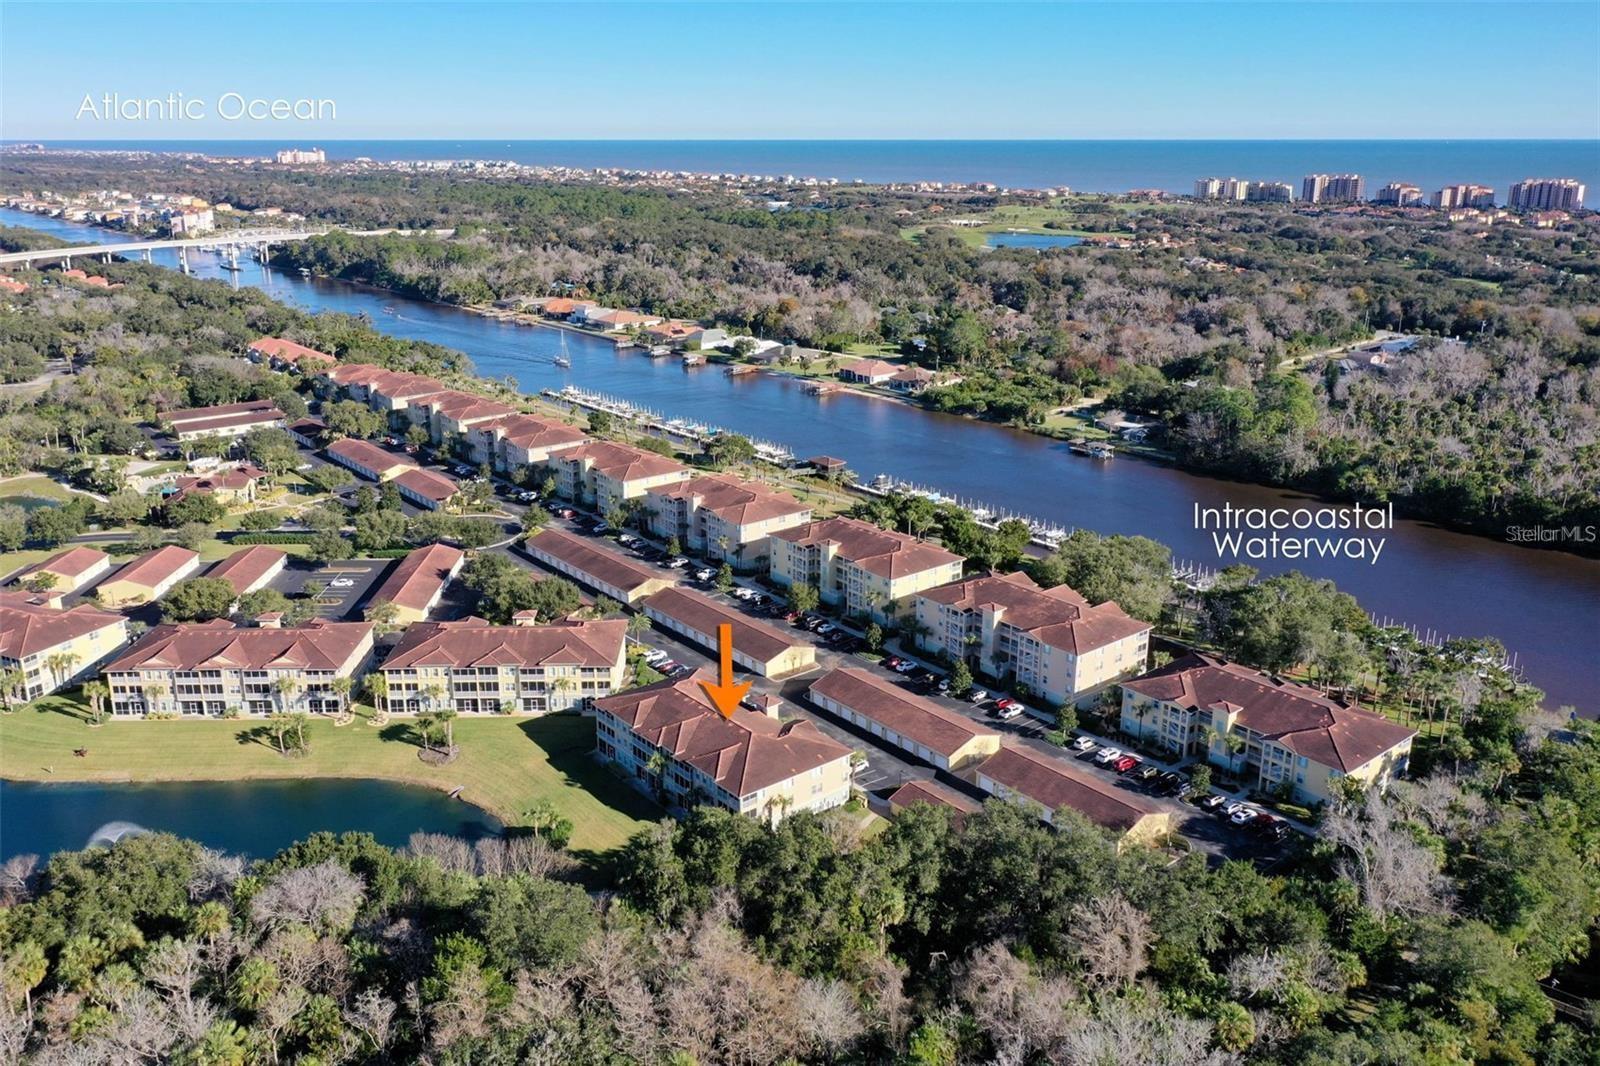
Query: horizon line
(11, 138)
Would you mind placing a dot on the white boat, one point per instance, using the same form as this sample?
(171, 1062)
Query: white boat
(563, 359)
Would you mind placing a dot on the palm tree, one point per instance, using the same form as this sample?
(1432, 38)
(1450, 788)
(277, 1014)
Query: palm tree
(563, 685)
(152, 691)
(341, 687)
(13, 687)
(1236, 745)
(378, 692)
(285, 687)
(297, 722)
(61, 665)
(278, 725)
(446, 716)
(96, 692)
(657, 766)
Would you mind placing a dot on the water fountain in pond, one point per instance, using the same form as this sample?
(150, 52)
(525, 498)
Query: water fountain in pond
(114, 833)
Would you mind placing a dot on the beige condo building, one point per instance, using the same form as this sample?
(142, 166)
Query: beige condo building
(859, 567)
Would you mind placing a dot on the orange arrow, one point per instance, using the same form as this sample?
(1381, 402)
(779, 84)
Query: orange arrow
(726, 694)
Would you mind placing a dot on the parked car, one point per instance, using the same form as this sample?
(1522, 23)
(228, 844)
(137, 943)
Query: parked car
(677, 564)
(341, 583)
(1126, 763)
(1147, 774)
(1243, 816)
(1083, 744)
(1171, 782)
(944, 684)
(905, 667)
(1213, 801)
(978, 695)
(667, 666)
(1009, 711)
(1108, 756)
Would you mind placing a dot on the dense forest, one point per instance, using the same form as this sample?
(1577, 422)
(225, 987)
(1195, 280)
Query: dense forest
(1417, 930)
(1201, 323)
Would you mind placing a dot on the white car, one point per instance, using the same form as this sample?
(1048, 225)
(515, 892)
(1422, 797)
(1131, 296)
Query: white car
(1108, 756)
(341, 583)
(1243, 815)
(678, 563)
(978, 695)
(1082, 744)
(654, 655)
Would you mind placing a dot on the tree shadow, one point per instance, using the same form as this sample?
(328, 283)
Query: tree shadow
(259, 734)
(567, 739)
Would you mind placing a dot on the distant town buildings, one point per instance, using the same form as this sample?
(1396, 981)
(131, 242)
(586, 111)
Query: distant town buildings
(1239, 190)
(1332, 189)
(1464, 195)
(301, 156)
(1399, 194)
(188, 221)
(1547, 194)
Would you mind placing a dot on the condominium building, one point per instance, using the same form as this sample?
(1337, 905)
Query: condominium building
(1547, 194)
(912, 723)
(417, 582)
(859, 567)
(1399, 194)
(602, 474)
(1208, 188)
(221, 420)
(294, 156)
(1277, 192)
(451, 414)
(1275, 735)
(147, 578)
(764, 649)
(1332, 189)
(283, 354)
(54, 648)
(672, 742)
(1051, 640)
(521, 440)
(1054, 784)
(1464, 196)
(477, 668)
(724, 518)
(426, 488)
(72, 569)
(215, 668)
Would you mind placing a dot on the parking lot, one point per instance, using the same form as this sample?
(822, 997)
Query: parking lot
(346, 584)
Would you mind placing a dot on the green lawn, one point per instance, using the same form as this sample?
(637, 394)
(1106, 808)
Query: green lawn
(506, 764)
(32, 490)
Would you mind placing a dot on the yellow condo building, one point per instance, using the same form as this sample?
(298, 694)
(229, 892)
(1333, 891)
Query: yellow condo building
(859, 567)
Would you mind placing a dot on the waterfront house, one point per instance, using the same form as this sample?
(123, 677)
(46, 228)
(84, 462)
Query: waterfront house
(249, 569)
(912, 380)
(52, 648)
(477, 668)
(601, 569)
(701, 339)
(860, 568)
(1276, 736)
(283, 354)
(750, 763)
(869, 371)
(73, 569)
(757, 646)
(221, 420)
(365, 459)
(1051, 640)
(724, 518)
(521, 440)
(670, 332)
(619, 321)
(210, 669)
(1053, 783)
(426, 488)
(914, 724)
(417, 583)
(147, 578)
(602, 474)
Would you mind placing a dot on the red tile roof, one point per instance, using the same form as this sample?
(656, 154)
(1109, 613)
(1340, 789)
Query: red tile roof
(28, 628)
(620, 462)
(528, 432)
(221, 645)
(474, 642)
(604, 565)
(287, 351)
(935, 793)
(743, 754)
(914, 717)
(879, 551)
(734, 500)
(703, 615)
(72, 563)
(1058, 617)
(365, 454)
(1054, 783)
(870, 368)
(427, 484)
(418, 577)
(247, 566)
(199, 414)
(1299, 718)
(152, 568)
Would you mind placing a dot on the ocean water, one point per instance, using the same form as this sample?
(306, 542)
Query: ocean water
(1086, 166)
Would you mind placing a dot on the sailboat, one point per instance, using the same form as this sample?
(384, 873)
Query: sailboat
(563, 359)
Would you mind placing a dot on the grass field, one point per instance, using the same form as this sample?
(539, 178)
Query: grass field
(506, 765)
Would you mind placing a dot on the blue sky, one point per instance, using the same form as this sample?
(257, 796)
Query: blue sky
(800, 70)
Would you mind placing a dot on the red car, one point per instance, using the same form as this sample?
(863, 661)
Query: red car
(1124, 764)
(1003, 702)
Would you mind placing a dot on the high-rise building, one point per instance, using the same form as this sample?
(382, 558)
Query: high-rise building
(1547, 194)
(1464, 195)
(296, 156)
(1275, 192)
(1332, 188)
(1235, 189)
(1208, 188)
(1399, 194)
